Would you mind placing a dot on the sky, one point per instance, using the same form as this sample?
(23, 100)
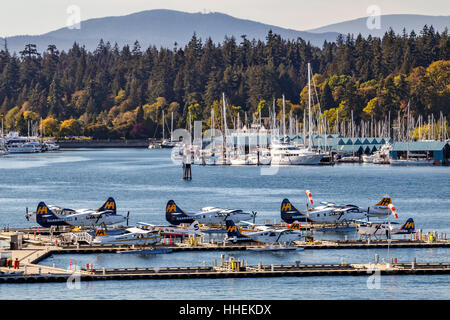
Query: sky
(20, 17)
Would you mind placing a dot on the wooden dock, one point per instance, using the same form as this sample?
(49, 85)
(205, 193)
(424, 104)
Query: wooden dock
(259, 271)
(37, 247)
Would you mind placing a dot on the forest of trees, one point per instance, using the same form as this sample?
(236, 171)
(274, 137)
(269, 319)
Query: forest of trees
(120, 92)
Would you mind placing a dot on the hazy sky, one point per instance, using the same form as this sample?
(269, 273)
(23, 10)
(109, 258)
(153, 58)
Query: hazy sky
(40, 16)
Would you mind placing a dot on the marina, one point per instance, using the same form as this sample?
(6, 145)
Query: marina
(343, 241)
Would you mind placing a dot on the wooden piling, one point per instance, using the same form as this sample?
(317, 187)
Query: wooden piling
(187, 173)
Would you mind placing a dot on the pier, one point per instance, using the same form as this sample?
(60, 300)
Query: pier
(232, 270)
(36, 247)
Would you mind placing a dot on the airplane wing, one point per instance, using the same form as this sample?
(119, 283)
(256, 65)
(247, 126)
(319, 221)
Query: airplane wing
(147, 224)
(136, 230)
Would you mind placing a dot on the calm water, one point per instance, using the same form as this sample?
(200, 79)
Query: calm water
(142, 181)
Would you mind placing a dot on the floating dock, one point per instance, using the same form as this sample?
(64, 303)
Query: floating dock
(236, 271)
(39, 247)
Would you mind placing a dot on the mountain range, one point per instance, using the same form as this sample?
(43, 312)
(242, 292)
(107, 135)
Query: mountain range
(397, 22)
(164, 28)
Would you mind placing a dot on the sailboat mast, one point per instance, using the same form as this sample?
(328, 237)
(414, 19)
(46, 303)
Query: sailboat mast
(224, 130)
(163, 124)
(407, 134)
(171, 128)
(309, 106)
(283, 116)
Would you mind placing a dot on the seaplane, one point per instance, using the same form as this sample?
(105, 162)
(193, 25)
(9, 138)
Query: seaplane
(331, 213)
(207, 216)
(368, 229)
(265, 234)
(131, 236)
(175, 231)
(48, 216)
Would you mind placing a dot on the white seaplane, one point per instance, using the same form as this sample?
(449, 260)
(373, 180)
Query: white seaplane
(175, 231)
(265, 235)
(131, 236)
(207, 216)
(48, 216)
(368, 229)
(331, 213)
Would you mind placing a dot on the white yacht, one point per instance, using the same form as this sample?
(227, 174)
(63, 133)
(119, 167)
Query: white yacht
(17, 144)
(287, 154)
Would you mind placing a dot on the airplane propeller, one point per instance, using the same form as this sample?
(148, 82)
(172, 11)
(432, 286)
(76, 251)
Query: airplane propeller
(27, 216)
(128, 217)
(254, 213)
(226, 216)
(98, 218)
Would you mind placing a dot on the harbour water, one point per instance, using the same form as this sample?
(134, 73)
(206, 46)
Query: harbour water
(142, 181)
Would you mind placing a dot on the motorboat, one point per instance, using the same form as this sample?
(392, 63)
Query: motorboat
(17, 144)
(49, 145)
(284, 153)
(165, 144)
(264, 157)
(412, 162)
(349, 159)
(366, 158)
(412, 159)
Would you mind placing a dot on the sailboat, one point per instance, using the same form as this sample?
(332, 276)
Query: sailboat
(284, 153)
(411, 158)
(167, 143)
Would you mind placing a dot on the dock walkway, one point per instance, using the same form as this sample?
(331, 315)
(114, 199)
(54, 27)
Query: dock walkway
(297, 270)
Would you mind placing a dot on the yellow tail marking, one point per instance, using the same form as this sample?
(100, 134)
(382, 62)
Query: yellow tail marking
(109, 205)
(286, 207)
(409, 225)
(171, 208)
(384, 202)
(41, 210)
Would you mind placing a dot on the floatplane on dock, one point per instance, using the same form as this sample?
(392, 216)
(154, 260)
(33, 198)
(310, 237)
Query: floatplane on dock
(48, 216)
(131, 236)
(331, 213)
(367, 229)
(208, 215)
(265, 235)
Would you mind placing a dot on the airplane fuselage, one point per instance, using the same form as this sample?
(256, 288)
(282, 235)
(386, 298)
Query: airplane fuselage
(219, 216)
(327, 214)
(85, 219)
(129, 238)
(270, 236)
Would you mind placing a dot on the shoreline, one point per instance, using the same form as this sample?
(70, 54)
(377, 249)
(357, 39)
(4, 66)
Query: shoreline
(138, 143)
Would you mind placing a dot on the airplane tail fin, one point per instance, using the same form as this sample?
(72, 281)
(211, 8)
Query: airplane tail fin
(175, 215)
(289, 213)
(110, 205)
(194, 226)
(43, 214)
(384, 202)
(408, 225)
(232, 229)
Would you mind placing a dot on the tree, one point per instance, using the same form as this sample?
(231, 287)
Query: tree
(70, 128)
(50, 127)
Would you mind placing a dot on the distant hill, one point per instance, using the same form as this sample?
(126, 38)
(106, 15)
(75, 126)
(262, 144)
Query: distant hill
(396, 21)
(161, 28)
